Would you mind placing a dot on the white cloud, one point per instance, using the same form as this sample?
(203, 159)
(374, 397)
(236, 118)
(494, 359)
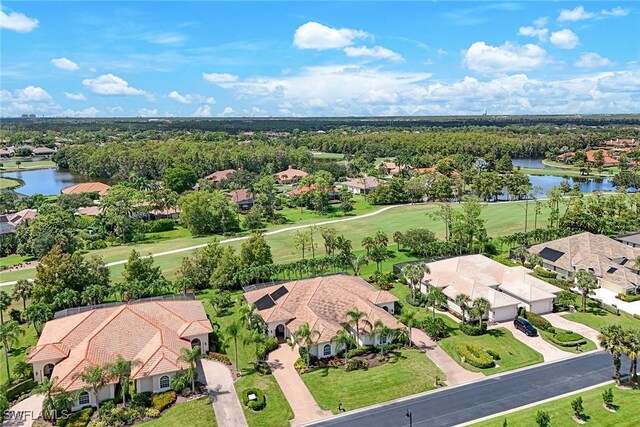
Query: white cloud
(65, 64)
(442, 52)
(314, 35)
(165, 38)
(190, 99)
(87, 112)
(17, 22)
(32, 94)
(228, 111)
(540, 33)
(509, 57)
(5, 95)
(146, 112)
(218, 78)
(573, 15)
(592, 60)
(564, 39)
(616, 11)
(75, 96)
(541, 22)
(203, 111)
(108, 84)
(376, 52)
(31, 99)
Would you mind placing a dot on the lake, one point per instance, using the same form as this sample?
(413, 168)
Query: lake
(46, 181)
(529, 163)
(587, 185)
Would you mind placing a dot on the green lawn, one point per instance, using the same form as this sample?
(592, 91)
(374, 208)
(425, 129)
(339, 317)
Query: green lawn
(565, 172)
(408, 373)
(10, 260)
(596, 318)
(561, 413)
(277, 413)
(590, 345)
(195, 413)
(18, 352)
(10, 166)
(8, 183)
(330, 156)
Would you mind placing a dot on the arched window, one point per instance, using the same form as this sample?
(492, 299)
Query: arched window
(164, 381)
(196, 342)
(326, 350)
(48, 370)
(385, 308)
(83, 398)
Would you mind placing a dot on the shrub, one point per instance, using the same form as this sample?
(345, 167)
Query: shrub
(180, 382)
(543, 419)
(122, 416)
(161, 401)
(96, 244)
(16, 315)
(607, 397)
(106, 406)
(259, 403)
(18, 389)
(628, 297)
(300, 365)
(361, 351)
(160, 225)
(219, 357)
(543, 273)
(141, 400)
(263, 367)
(567, 338)
(151, 413)
(419, 302)
(435, 328)
(494, 354)
(577, 406)
(538, 321)
(355, 364)
(610, 308)
(475, 355)
(472, 330)
(77, 419)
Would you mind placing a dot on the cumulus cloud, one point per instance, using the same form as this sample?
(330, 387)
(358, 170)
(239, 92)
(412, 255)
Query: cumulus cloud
(5, 95)
(87, 112)
(203, 111)
(146, 112)
(541, 22)
(31, 99)
(108, 84)
(564, 39)
(576, 14)
(218, 78)
(75, 96)
(314, 35)
(616, 11)
(592, 60)
(228, 111)
(65, 64)
(540, 33)
(190, 99)
(509, 57)
(375, 52)
(17, 22)
(32, 94)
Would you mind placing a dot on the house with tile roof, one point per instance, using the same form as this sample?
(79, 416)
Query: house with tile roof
(87, 187)
(218, 176)
(363, 185)
(243, 198)
(149, 332)
(607, 259)
(322, 302)
(506, 288)
(290, 176)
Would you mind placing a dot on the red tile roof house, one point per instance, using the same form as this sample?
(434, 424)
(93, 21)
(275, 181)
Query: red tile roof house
(290, 176)
(87, 187)
(243, 198)
(220, 175)
(323, 302)
(151, 332)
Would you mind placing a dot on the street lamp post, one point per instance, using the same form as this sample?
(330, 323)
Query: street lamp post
(410, 416)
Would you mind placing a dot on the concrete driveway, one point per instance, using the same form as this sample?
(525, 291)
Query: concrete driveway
(24, 413)
(304, 406)
(226, 405)
(455, 373)
(549, 352)
(558, 321)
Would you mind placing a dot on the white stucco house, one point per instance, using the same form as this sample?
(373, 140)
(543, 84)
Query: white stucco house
(322, 302)
(149, 332)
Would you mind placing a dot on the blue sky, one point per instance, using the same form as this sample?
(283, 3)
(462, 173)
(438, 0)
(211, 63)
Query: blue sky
(205, 59)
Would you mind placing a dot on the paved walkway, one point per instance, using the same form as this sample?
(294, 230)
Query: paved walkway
(558, 321)
(549, 351)
(455, 373)
(24, 413)
(304, 406)
(226, 405)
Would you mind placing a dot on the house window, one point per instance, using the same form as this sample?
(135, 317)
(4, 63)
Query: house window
(326, 350)
(83, 399)
(164, 381)
(383, 339)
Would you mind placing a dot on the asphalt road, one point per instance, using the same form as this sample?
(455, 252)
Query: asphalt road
(452, 406)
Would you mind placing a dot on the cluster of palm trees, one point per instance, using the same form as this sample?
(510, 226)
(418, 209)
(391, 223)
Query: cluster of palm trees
(474, 309)
(619, 341)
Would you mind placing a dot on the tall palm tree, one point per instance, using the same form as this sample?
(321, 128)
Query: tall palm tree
(462, 301)
(344, 339)
(95, 376)
(191, 356)
(5, 303)
(612, 339)
(481, 305)
(358, 261)
(586, 283)
(357, 317)
(305, 337)
(414, 273)
(49, 388)
(9, 335)
(258, 339)
(120, 369)
(631, 348)
(22, 290)
(636, 264)
(436, 297)
(409, 319)
(520, 253)
(233, 332)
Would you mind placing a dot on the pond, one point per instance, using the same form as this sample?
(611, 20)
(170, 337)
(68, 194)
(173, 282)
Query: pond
(529, 163)
(46, 181)
(587, 185)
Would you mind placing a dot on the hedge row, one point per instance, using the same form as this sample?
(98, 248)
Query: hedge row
(538, 321)
(17, 390)
(542, 273)
(567, 339)
(360, 351)
(468, 329)
(161, 401)
(258, 404)
(475, 355)
(628, 298)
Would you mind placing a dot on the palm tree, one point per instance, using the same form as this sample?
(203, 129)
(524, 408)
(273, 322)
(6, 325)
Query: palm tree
(481, 305)
(612, 339)
(5, 302)
(414, 273)
(49, 388)
(631, 348)
(409, 319)
(586, 283)
(258, 339)
(436, 297)
(120, 369)
(9, 335)
(233, 332)
(357, 262)
(343, 339)
(355, 318)
(534, 259)
(636, 264)
(95, 376)
(368, 243)
(22, 290)
(191, 356)
(462, 301)
(397, 238)
(520, 253)
(305, 337)
(381, 330)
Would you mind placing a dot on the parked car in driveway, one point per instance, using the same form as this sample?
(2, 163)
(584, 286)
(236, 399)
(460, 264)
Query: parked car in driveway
(526, 327)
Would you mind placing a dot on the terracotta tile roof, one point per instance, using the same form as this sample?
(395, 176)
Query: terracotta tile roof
(291, 173)
(17, 218)
(240, 196)
(218, 176)
(323, 302)
(87, 187)
(150, 332)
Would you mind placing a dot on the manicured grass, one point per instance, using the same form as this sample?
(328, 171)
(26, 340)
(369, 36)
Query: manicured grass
(565, 172)
(409, 372)
(590, 345)
(277, 413)
(18, 352)
(10, 260)
(9, 183)
(596, 318)
(561, 413)
(323, 155)
(513, 353)
(195, 413)
(10, 166)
